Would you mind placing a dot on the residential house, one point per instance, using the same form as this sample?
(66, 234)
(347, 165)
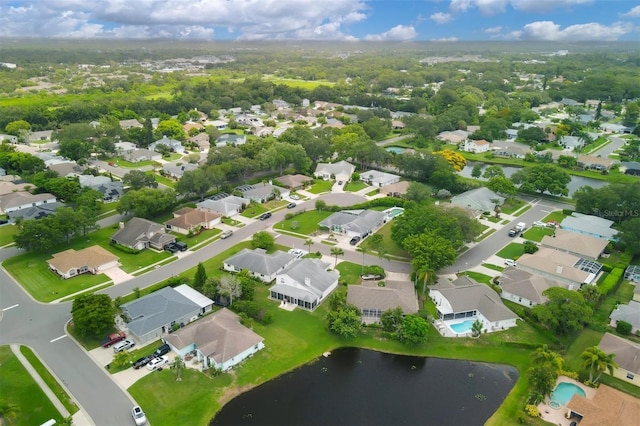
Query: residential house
(580, 245)
(188, 220)
(397, 189)
(35, 212)
(397, 125)
(630, 168)
(632, 273)
(219, 124)
(231, 139)
(155, 315)
(334, 123)
(224, 204)
(590, 225)
(42, 136)
(571, 142)
(7, 187)
(512, 151)
(111, 190)
(607, 407)
(262, 192)
(176, 170)
(294, 182)
(260, 265)
(10, 138)
(525, 288)
(560, 266)
(202, 140)
(71, 263)
(189, 125)
(373, 300)
(304, 283)
(379, 179)
(355, 223)
(66, 168)
(476, 146)
(627, 356)
(464, 298)
(481, 200)
(139, 234)
(172, 144)
(629, 313)
(129, 124)
(570, 102)
(218, 341)
(22, 200)
(454, 137)
(205, 304)
(140, 154)
(340, 171)
(592, 162)
(512, 134)
(615, 128)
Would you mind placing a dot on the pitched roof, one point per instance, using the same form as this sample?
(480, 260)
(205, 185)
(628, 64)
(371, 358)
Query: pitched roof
(481, 199)
(581, 244)
(259, 261)
(341, 167)
(136, 230)
(360, 221)
(555, 263)
(224, 205)
(293, 181)
(627, 353)
(589, 224)
(188, 217)
(480, 297)
(592, 159)
(263, 190)
(525, 284)
(194, 295)
(36, 212)
(394, 294)
(157, 309)
(398, 187)
(92, 257)
(219, 336)
(377, 176)
(17, 199)
(312, 278)
(607, 407)
(629, 313)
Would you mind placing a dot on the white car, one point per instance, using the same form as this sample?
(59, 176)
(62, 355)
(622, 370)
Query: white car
(123, 345)
(226, 234)
(138, 416)
(155, 363)
(298, 253)
(510, 262)
(294, 197)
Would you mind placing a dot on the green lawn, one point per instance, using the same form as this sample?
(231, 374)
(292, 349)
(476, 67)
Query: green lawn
(165, 181)
(485, 235)
(481, 278)
(6, 234)
(536, 233)
(556, 216)
(355, 186)
(134, 354)
(19, 388)
(320, 186)
(511, 251)
(392, 248)
(254, 210)
(372, 193)
(622, 295)
(584, 340)
(127, 164)
(305, 223)
(494, 267)
(349, 272)
(511, 205)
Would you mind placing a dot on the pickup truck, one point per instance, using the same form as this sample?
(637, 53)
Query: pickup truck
(113, 338)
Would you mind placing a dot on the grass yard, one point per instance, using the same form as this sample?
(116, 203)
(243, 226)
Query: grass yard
(134, 354)
(522, 210)
(320, 186)
(556, 216)
(494, 267)
(392, 248)
(165, 181)
(536, 233)
(19, 388)
(586, 339)
(307, 222)
(622, 295)
(355, 186)
(511, 205)
(481, 278)
(372, 193)
(349, 272)
(511, 251)
(6, 234)
(303, 84)
(485, 235)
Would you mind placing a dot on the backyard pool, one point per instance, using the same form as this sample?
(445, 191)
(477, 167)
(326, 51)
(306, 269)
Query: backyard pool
(394, 211)
(564, 391)
(395, 149)
(462, 327)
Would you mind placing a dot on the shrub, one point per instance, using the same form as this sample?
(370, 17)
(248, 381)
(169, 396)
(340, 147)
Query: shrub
(532, 410)
(530, 247)
(567, 212)
(606, 267)
(374, 270)
(253, 310)
(125, 249)
(623, 327)
(610, 283)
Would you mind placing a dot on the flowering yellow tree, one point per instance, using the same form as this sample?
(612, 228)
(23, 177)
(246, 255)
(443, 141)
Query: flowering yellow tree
(456, 160)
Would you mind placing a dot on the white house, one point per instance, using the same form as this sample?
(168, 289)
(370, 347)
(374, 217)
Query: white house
(589, 225)
(525, 288)
(627, 356)
(23, 200)
(355, 223)
(304, 283)
(172, 144)
(476, 146)
(260, 265)
(71, 263)
(340, 171)
(379, 179)
(224, 204)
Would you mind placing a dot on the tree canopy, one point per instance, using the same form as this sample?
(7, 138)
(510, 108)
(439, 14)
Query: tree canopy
(565, 312)
(93, 314)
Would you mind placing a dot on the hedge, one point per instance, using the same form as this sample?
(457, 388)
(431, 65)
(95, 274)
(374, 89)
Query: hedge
(611, 282)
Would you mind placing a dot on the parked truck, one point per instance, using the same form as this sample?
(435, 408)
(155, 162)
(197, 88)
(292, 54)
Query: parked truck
(113, 338)
(518, 229)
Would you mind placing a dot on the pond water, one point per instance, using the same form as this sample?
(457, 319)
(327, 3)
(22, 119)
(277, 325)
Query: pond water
(576, 181)
(363, 387)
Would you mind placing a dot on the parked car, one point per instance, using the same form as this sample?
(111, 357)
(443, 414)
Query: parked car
(180, 245)
(355, 240)
(123, 345)
(162, 350)
(138, 416)
(156, 363)
(141, 362)
(265, 216)
(340, 182)
(291, 205)
(510, 262)
(171, 248)
(298, 253)
(113, 339)
(294, 197)
(226, 234)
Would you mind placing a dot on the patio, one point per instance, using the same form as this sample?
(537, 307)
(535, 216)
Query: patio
(556, 416)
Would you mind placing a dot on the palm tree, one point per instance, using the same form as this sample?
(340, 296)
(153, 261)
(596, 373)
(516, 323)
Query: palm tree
(363, 250)
(598, 362)
(8, 410)
(308, 242)
(178, 365)
(543, 355)
(336, 251)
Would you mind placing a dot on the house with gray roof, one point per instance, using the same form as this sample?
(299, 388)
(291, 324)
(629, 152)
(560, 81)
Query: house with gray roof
(355, 223)
(139, 234)
(525, 288)
(581, 245)
(41, 136)
(590, 225)
(226, 205)
(23, 200)
(231, 139)
(129, 124)
(173, 144)
(262, 192)
(511, 151)
(152, 316)
(627, 356)
(340, 171)
(304, 283)
(378, 178)
(66, 168)
(259, 263)
(140, 154)
(177, 170)
(373, 300)
(480, 199)
(629, 313)
(218, 341)
(10, 138)
(632, 273)
(35, 212)
(615, 128)
(571, 142)
(630, 168)
(111, 190)
(466, 300)
(455, 136)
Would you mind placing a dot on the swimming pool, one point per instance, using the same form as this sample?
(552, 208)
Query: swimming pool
(462, 327)
(564, 391)
(396, 149)
(394, 211)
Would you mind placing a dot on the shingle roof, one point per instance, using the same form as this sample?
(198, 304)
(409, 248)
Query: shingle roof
(360, 221)
(589, 224)
(93, 257)
(627, 353)
(259, 261)
(377, 176)
(629, 313)
(16, 199)
(481, 199)
(341, 167)
(188, 218)
(136, 230)
(225, 205)
(581, 244)
(312, 277)
(478, 297)
(525, 284)
(395, 294)
(608, 407)
(36, 212)
(554, 262)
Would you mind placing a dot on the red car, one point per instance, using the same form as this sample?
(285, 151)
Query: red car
(114, 338)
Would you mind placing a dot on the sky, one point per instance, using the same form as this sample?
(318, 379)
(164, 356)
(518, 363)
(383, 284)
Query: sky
(339, 20)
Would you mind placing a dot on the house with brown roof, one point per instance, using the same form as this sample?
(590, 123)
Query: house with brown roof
(373, 300)
(560, 266)
(525, 288)
(218, 340)
(593, 162)
(607, 407)
(71, 263)
(581, 245)
(139, 234)
(202, 140)
(476, 146)
(131, 123)
(454, 137)
(397, 189)
(189, 219)
(627, 356)
(294, 182)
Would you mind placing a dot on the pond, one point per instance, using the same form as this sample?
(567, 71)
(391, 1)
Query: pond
(576, 181)
(363, 387)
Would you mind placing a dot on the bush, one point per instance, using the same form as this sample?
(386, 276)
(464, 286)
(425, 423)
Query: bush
(567, 212)
(532, 410)
(530, 247)
(610, 283)
(374, 270)
(253, 310)
(623, 327)
(606, 267)
(125, 249)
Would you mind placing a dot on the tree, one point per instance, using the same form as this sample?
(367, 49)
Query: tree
(476, 172)
(545, 177)
(321, 205)
(196, 182)
(336, 251)
(137, 179)
(503, 186)
(147, 202)
(493, 171)
(200, 278)
(624, 327)
(429, 250)
(263, 240)
(38, 235)
(531, 136)
(231, 287)
(8, 410)
(14, 127)
(210, 288)
(93, 314)
(630, 235)
(597, 362)
(418, 192)
(413, 330)
(565, 312)
(121, 359)
(178, 366)
(591, 295)
(476, 328)
(546, 365)
(391, 320)
(308, 242)
(74, 149)
(345, 322)
(170, 128)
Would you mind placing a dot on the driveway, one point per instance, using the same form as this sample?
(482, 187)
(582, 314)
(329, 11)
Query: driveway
(117, 275)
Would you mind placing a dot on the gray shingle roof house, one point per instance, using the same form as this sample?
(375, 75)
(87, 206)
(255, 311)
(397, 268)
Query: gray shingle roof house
(218, 340)
(294, 181)
(262, 192)
(305, 283)
(176, 170)
(66, 168)
(571, 142)
(378, 178)
(152, 316)
(338, 171)
(589, 225)
(465, 299)
(231, 139)
(629, 313)
(575, 243)
(111, 190)
(630, 168)
(355, 222)
(228, 205)
(525, 288)
(480, 199)
(373, 300)
(260, 264)
(35, 212)
(172, 144)
(141, 154)
(23, 200)
(632, 273)
(138, 234)
(627, 356)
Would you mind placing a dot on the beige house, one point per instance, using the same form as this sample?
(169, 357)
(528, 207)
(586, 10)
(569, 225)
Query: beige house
(373, 300)
(70, 263)
(524, 288)
(576, 244)
(607, 407)
(556, 265)
(294, 182)
(594, 163)
(627, 356)
(192, 220)
(397, 189)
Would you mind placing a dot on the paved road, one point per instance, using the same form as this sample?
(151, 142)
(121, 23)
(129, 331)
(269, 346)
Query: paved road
(394, 140)
(608, 149)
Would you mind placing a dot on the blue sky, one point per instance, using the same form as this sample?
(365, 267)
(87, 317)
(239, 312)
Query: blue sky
(352, 20)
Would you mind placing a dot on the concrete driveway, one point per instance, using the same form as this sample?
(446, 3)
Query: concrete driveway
(117, 275)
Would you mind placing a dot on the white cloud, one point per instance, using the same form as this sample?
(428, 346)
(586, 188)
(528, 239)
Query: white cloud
(397, 33)
(550, 31)
(633, 13)
(493, 30)
(445, 39)
(541, 6)
(494, 7)
(460, 5)
(441, 18)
